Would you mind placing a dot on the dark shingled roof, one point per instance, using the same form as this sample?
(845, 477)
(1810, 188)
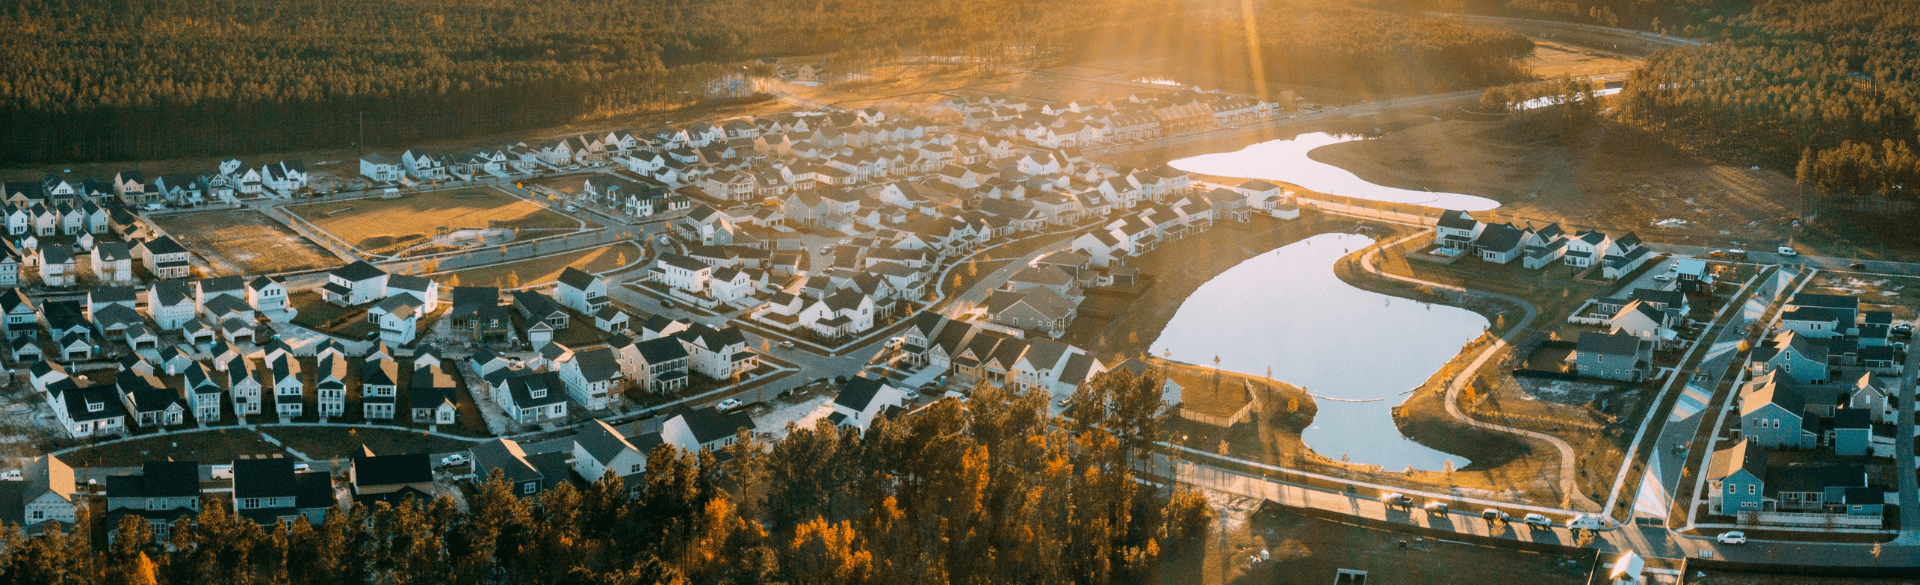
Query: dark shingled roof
(392, 469)
(263, 478)
(1608, 344)
(858, 392)
(575, 278)
(358, 271)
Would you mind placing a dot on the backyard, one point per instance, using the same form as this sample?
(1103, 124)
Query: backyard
(410, 224)
(244, 241)
(323, 443)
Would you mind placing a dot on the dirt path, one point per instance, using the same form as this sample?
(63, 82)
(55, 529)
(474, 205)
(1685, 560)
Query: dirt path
(1568, 464)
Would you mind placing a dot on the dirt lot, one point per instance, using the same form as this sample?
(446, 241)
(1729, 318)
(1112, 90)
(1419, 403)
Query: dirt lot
(389, 226)
(1551, 59)
(341, 442)
(1877, 293)
(1598, 176)
(545, 269)
(243, 241)
(1304, 549)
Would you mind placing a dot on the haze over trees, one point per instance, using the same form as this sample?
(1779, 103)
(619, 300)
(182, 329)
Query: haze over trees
(122, 80)
(991, 491)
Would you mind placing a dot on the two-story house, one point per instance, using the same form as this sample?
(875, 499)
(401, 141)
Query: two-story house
(431, 395)
(266, 294)
(393, 479)
(1773, 414)
(355, 284)
(581, 291)
(592, 378)
(162, 493)
(170, 304)
(268, 491)
(112, 262)
(164, 258)
(599, 449)
(379, 388)
(1735, 477)
(861, 399)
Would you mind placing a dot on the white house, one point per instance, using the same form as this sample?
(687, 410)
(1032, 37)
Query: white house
(581, 291)
(355, 284)
(861, 399)
(598, 449)
(266, 294)
(592, 378)
(397, 318)
(682, 272)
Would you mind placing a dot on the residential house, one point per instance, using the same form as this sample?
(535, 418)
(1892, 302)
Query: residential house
(431, 391)
(599, 450)
(1773, 414)
(1734, 477)
(593, 378)
(1613, 356)
(393, 479)
(379, 388)
(268, 491)
(532, 397)
(47, 492)
(861, 399)
(162, 493)
(266, 294)
(706, 428)
(164, 258)
(112, 263)
(581, 291)
(355, 284)
(506, 456)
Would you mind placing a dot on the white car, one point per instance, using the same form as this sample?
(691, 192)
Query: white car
(1735, 537)
(1585, 522)
(1663, 278)
(301, 467)
(1538, 521)
(845, 241)
(910, 395)
(730, 404)
(786, 344)
(1436, 508)
(223, 471)
(454, 459)
(1789, 251)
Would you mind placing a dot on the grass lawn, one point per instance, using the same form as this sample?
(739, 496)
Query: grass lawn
(387, 226)
(543, 270)
(341, 441)
(244, 241)
(213, 446)
(1305, 549)
(1877, 293)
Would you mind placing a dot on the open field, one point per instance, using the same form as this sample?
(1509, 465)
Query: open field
(907, 85)
(1551, 59)
(1624, 44)
(1305, 549)
(244, 241)
(1899, 294)
(1600, 175)
(218, 446)
(543, 269)
(389, 226)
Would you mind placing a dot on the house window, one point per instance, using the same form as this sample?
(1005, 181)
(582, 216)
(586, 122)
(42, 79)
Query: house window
(528, 489)
(1751, 489)
(1732, 489)
(637, 468)
(39, 515)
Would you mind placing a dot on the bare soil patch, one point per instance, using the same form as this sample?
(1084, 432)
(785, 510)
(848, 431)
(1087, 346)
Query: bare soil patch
(1598, 175)
(388, 226)
(244, 241)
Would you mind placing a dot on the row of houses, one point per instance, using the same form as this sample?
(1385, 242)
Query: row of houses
(157, 389)
(1827, 382)
(1457, 234)
(228, 182)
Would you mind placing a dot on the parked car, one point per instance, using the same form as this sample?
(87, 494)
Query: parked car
(302, 467)
(1396, 499)
(1857, 265)
(1788, 251)
(1491, 514)
(1734, 537)
(786, 344)
(668, 303)
(1538, 521)
(1737, 254)
(730, 404)
(454, 459)
(1663, 278)
(1903, 329)
(1436, 507)
(1717, 254)
(224, 471)
(910, 395)
(1585, 522)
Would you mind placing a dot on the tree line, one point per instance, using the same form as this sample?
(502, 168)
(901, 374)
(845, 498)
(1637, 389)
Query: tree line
(1348, 46)
(130, 80)
(990, 491)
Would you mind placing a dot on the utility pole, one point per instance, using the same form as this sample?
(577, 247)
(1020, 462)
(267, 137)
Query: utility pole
(363, 132)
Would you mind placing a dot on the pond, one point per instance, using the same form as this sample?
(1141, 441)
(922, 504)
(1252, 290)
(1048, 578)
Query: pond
(1287, 311)
(1287, 160)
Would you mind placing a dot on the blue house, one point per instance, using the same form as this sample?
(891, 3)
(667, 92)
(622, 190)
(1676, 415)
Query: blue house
(1735, 478)
(1803, 358)
(1852, 432)
(1774, 414)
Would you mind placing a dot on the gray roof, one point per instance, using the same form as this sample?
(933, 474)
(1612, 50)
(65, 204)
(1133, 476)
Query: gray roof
(506, 456)
(602, 441)
(598, 364)
(858, 392)
(574, 277)
(1608, 344)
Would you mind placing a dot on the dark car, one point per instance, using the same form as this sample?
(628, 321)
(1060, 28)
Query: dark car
(1857, 265)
